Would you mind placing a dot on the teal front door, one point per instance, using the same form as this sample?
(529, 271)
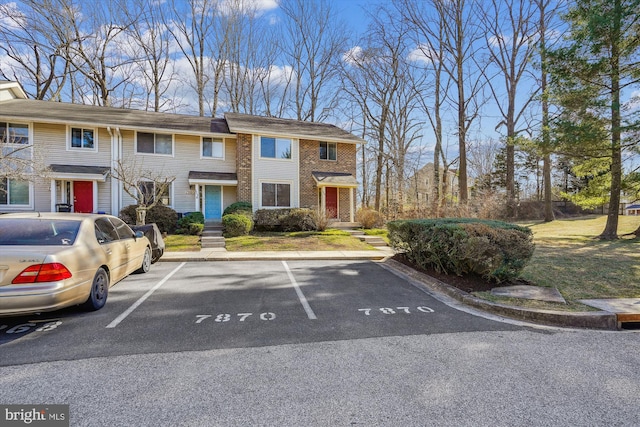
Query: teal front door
(212, 202)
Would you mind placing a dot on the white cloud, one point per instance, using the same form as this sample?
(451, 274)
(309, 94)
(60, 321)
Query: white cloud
(11, 17)
(423, 53)
(353, 55)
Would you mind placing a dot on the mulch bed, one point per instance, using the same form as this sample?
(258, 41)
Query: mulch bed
(468, 283)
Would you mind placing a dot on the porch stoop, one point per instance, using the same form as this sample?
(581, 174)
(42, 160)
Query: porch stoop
(212, 235)
(371, 240)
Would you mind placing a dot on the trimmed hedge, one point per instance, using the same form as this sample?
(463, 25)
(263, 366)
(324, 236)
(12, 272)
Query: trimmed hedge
(192, 223)
(239, 207)
(299, 219)
(495, 250)
(237, 224)
(164, 217)
(289, 219)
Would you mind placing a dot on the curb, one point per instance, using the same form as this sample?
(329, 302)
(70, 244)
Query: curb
(589, 320)
(275, 258)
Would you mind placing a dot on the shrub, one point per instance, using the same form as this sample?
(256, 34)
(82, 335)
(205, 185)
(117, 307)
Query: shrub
(239, 207)
(298, 219)
(369, 218)
(321, 220)
(236, 225)
(164, 217)
(192, 224)
(288, 219)
(269, 219)
(493, 249)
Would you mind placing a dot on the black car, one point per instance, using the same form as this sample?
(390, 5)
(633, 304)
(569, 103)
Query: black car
(155, 237)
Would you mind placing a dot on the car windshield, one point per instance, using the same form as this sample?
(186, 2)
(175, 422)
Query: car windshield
(38, 232)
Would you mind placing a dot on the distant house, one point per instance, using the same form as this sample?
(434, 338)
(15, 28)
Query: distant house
(421, 186)
(632, 210)
(269, 162)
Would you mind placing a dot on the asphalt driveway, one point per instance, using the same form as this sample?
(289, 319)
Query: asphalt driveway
(218, 305)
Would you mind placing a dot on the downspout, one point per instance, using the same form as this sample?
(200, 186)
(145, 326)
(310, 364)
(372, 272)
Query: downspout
(116, 155)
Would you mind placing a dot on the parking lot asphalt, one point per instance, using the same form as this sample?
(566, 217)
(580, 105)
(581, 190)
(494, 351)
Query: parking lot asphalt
(216, 305)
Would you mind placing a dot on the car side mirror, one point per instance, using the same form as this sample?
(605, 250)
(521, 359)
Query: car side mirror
(138, 234)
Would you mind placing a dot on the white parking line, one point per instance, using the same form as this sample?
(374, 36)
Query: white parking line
(301, 297)
(136, 304)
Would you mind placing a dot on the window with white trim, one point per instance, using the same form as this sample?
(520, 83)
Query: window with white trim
(275, 148)
(82, 138)
(14, 192)
(213, 148)
(14, 133)
(148, 189)
(276, 195)
(328, 151)
(154, 143)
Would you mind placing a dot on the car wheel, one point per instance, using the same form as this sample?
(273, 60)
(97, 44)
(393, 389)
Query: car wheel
(99, 291)
(157, 255)
(146, 262)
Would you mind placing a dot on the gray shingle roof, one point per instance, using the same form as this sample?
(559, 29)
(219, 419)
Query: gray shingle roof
(214, 176)
(28, 110)
(80, 169)
(335, 178)
(244, 123)
(91, 115)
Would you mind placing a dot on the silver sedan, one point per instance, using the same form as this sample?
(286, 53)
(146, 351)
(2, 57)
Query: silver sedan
(53, 260)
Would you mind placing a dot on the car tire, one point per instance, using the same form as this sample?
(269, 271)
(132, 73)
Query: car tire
(157, 255)
(146, 262)
(99, 291)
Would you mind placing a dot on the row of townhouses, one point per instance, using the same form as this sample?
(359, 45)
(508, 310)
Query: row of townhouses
(269, 162)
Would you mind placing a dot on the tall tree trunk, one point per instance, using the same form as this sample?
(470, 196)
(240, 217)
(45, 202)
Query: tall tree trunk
(611, 228)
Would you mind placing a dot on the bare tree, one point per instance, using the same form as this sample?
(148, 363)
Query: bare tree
(451, 36)
(247, 64)
(94, 51)
(370, 78)
(151, 40)
(36, 39)
(428, 33)
(313, 42)
(19, 162)
(145, 186)
(548, 10)
(510, 33)
(380, 79)
(192, 25)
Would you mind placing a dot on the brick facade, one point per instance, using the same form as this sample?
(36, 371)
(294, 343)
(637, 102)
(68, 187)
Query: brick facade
(310, 162)
(243, 166)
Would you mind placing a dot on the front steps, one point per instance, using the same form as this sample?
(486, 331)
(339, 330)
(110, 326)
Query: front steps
(371, 240)
(212, 235)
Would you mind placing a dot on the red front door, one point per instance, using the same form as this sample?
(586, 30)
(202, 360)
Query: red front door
(331, 202)
(83, 196)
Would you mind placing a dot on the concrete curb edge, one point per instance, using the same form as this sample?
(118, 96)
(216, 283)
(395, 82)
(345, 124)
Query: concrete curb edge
(589, 320)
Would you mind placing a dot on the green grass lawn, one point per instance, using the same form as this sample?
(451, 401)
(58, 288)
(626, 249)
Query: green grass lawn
(329, 240)
(181, 243)
(569, 256)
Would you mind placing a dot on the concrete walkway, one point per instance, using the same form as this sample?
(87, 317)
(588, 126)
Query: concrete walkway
(221, 254)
